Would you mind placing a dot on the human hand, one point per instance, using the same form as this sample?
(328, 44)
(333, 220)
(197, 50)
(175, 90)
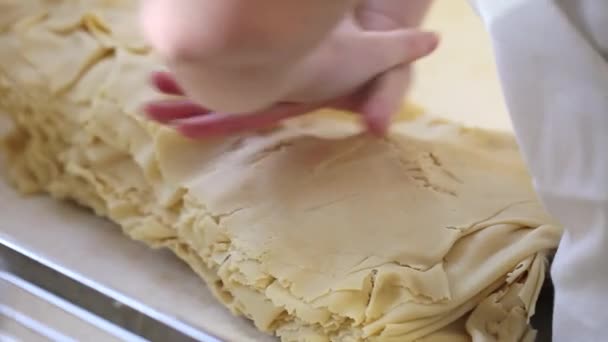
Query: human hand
(377, 95)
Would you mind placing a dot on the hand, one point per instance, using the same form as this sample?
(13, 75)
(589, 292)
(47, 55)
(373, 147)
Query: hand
(376, 100)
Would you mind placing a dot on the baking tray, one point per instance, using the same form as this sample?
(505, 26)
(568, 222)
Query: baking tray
(43, 301)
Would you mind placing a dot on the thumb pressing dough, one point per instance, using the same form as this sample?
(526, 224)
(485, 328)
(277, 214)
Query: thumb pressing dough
(312, 230)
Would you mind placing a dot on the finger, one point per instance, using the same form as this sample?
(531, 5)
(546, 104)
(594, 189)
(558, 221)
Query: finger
(165, 111)
(226, 124)
(384, 99)
(165, 83)
(388, 49)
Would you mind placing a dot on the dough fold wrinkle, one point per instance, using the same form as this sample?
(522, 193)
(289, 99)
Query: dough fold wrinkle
(312, 230)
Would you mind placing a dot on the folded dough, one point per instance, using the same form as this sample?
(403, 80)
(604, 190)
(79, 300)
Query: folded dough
(313, 230)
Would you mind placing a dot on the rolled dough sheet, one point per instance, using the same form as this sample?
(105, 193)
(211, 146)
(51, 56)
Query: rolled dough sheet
(312, 230)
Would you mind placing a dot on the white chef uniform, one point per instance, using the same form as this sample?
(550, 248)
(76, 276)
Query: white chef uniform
(552, 60)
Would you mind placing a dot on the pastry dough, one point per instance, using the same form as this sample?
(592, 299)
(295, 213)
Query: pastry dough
(313, 230)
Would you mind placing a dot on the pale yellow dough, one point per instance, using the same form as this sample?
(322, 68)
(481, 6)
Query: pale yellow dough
(314, 231)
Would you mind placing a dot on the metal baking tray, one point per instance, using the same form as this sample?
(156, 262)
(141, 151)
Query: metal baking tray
(40, 301)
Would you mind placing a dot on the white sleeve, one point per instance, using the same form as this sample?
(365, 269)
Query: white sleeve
(552, 63)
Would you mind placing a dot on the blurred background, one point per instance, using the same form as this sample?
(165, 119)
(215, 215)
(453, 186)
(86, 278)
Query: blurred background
(459, 81)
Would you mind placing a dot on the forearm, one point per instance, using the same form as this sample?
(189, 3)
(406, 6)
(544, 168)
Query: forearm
(238, 49)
